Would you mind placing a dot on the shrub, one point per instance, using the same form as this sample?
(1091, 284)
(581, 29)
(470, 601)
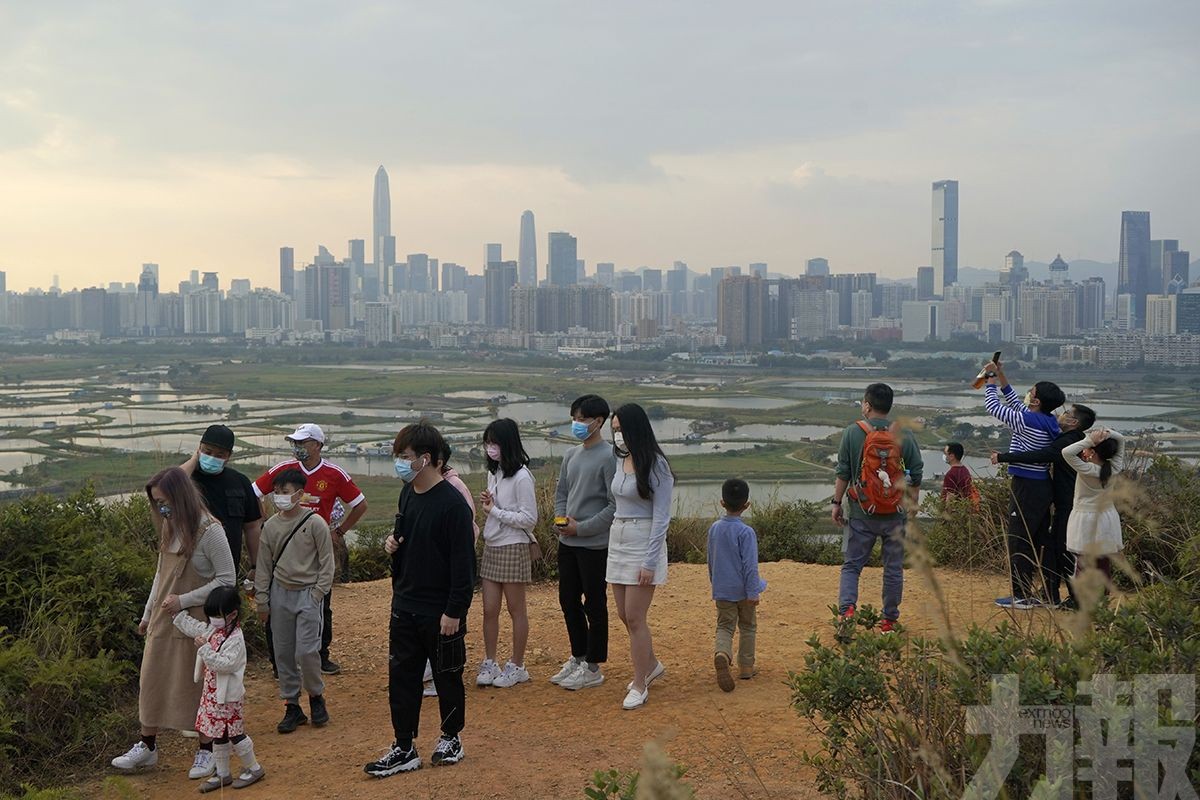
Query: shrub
(73, 581)
(659, 779)
(961, 536)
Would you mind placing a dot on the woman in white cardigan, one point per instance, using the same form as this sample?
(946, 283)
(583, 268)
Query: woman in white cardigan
(1094, 528)
(510, 503)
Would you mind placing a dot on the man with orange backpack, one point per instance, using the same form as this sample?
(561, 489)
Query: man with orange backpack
(878, 467)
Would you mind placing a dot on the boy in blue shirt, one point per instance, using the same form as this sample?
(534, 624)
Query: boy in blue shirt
(736, 585)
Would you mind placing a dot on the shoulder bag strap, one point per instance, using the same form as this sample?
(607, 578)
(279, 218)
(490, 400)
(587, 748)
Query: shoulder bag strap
(286, 542)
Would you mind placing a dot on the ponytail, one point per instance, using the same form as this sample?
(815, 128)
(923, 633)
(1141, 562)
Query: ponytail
(1106, 451)
(1105, 473)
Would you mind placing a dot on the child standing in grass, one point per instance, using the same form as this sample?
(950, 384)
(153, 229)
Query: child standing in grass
(1094, 529)
(736, 585)
(221, 660)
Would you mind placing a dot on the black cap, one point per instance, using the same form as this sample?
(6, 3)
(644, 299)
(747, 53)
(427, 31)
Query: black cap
(218, 436)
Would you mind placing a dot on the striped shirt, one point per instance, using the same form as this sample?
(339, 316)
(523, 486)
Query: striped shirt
(1031, 430)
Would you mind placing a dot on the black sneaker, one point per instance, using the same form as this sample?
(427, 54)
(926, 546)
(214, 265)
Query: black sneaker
(394, 761)
(293, 718)
(330, 667)
(320, 714)
(449, 750)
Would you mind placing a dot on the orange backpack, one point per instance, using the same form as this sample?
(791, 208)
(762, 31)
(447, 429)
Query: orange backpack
(881, 484)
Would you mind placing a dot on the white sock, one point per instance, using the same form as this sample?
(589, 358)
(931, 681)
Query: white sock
(221, 756)
(245, 753)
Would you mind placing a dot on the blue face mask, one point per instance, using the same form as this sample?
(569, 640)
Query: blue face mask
(211, 465)
(164, 510)
(405, 471)
(581, 430)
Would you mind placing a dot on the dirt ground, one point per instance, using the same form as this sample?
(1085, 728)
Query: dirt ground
(539, 741)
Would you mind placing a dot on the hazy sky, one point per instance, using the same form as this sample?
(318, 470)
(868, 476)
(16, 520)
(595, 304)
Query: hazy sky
(205, 135)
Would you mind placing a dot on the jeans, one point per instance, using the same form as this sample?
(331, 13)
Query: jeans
(581, 574)
(1029, 543)
(857, 545)
(414, 639)
(742, 616)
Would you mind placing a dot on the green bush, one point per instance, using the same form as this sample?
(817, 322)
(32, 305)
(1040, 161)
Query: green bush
(659, 779)
(959, 535)
(73, 581)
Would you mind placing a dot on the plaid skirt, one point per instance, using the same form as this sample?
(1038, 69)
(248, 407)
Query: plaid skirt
(508, 563)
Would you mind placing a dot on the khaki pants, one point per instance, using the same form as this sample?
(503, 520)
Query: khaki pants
(740, 615)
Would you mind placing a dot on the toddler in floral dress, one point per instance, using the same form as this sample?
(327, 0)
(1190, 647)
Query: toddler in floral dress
(221, 660)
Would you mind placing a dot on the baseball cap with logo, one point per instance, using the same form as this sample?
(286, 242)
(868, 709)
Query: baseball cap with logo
(308, 430)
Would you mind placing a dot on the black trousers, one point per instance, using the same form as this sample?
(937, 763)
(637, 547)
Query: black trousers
(1029, 541)
(581, 575)
(1059, 561)
(412, 639)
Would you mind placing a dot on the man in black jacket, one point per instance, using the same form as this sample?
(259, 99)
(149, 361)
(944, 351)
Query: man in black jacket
(433, 576)
(1058, 563)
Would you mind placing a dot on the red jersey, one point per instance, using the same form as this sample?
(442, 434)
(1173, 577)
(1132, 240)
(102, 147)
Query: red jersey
(326, 484)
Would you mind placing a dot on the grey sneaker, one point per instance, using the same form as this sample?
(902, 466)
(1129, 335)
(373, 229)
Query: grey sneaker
(583, 678)
(511, 676)
(568, 667)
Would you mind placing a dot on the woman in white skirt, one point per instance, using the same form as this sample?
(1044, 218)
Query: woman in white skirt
(637, 547)
(510, 504)
(1094, 528)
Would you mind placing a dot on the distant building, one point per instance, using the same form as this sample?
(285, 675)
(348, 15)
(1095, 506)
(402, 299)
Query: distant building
(921, 321)
(1089, 311)
(287, 271)
(741, 311)
(925, 283)
(493, 253)
(563, 259)
(1133, 265)
(1160, 315)
(1187, 312)
(527, 252)
(1059, 270)
(1047, 310)
(944, 252)
(817, 266)
(501, 277)
(381, 227)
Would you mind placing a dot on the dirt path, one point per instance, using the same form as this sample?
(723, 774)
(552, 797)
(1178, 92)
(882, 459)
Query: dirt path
(539, 741)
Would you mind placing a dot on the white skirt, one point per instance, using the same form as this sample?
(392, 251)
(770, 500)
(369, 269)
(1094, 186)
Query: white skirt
(1095, 532)
(628, 542)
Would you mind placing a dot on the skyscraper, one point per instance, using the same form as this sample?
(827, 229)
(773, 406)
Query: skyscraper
(817, 266)
(527, 253)
(287, 272)
(493, 253)
(741, 310)
(925, 283)
(564, 259)
(381, 226)
(1059, 270)
(945, 235)
(500, 276)
(1133, 264)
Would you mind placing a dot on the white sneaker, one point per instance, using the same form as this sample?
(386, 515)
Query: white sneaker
(488, 672)
(428, 671)
(203, 766)
(138, 757)
(582, 678)
(635, 699)
(655, 674)
(430, 690)
(511, 676)
(569, 666)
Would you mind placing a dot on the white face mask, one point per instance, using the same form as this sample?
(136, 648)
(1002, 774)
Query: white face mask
(218, 623)
(284, 502)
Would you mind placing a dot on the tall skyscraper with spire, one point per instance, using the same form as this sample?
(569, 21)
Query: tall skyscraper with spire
(381, 228)
(527, 254)
(944, 251)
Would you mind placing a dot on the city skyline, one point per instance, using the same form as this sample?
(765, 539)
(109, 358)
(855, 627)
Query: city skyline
(670, 155)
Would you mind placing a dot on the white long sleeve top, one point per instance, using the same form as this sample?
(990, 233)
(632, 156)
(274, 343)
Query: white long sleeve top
(514, 513)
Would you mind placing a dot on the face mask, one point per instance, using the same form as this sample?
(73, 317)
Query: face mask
(299, 452)
(164, 510)
(211, 465)
(405, 470)
(945, 458)
(581, 430)
(493, 451)
(1029, 399)
(619, 445)
(218, 623)
(284, 502)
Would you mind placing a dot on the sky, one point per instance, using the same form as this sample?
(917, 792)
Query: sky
(207, 135)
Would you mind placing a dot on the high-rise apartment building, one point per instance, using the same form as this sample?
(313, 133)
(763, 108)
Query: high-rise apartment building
(944, 252)
(501, 277)
(606, 273)
(527, 252)
(1187, 312)
(925, 283)
(1160, 314)
(287, 272)
(418, 271)
(742, 311)
(1133, 265)
(1047, 310)
(1089, 311)
(564, 257)
(817, 266)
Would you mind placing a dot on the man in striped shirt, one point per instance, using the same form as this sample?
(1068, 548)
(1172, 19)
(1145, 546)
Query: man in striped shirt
(1033, 427)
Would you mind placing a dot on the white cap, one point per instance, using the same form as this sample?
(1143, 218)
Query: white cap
(308, 430)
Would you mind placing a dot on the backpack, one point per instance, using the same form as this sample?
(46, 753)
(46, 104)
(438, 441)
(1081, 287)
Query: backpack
(881, 484)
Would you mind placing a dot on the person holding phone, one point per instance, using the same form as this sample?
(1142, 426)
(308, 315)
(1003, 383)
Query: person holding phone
(642, 487)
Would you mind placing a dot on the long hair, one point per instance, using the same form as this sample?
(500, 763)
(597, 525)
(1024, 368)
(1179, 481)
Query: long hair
(642, 445)
(505, 433)
(1106, 451)
(188, 509)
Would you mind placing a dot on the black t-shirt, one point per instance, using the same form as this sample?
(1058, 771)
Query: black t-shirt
(230, 497)
(433, 570)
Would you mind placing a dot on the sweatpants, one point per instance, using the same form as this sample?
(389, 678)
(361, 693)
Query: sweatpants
(296, 636)
(857, 544)
(414, 639)
(743, 616)
(1029, 542)
(581, 575)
